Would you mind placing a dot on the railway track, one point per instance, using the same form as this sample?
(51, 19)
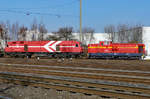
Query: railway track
(94, 73)
(80, 80)
(82, 69)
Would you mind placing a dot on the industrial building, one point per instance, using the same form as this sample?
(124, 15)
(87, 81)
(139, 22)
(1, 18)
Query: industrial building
(146, 40)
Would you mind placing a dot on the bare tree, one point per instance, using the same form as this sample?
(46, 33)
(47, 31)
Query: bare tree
(52, 37)
(2, 31)
(87, 35)
(124, 33)
(42, 31)
(130, 34)
(64, 33)
(34, 25)
(15, 31)
(22, 33)
(137, 34)
(8, 29)
(3, 35)
(123, 36)
(34, 29)
(112, 32)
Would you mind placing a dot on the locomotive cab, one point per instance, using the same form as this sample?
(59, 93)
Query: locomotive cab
(102, 43)
(141, 49)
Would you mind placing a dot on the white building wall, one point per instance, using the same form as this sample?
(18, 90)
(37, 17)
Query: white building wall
(32, 35)
(86, 37)
(96, 37)
(101, 37)
(146, 39)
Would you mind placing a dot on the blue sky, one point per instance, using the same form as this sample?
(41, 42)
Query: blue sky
(59, 13)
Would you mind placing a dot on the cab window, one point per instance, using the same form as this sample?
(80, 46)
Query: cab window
(106, 43)
(77, 45)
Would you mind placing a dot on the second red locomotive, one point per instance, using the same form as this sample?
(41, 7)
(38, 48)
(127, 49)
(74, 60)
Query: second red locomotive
(116, 50)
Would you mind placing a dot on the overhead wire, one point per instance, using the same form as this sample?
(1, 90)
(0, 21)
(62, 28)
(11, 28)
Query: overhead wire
(14, 10)
(37, 13)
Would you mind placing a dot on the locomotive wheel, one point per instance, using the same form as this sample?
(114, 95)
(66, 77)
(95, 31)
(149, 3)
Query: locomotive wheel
(36, 57)
(28, 56)
(89, 56)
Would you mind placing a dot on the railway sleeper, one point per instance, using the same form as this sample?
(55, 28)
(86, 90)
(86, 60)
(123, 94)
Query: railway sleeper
(105, 96)
(72, 92)
(137, 92)
(87, 94)
(120, 90)
(59, 90)
(91, 87)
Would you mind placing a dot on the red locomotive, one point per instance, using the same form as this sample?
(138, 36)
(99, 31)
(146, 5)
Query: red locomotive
(44, 48)
(116, 50)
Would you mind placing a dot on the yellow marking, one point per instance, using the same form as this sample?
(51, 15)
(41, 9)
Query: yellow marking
(98, 47)
(127, 47)
(112, 47)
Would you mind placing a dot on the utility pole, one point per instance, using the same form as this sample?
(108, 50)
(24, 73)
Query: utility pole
(81, 36)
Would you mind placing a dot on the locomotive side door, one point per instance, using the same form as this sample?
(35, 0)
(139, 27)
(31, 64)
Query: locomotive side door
(25, 47)
(57, 48)
(140, 49)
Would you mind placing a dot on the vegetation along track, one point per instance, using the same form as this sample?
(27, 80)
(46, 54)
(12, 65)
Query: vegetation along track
(107, 82)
